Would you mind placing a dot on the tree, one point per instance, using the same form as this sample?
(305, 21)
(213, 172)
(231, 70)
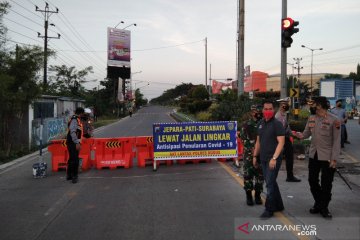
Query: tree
(18, 89)
(355, 76)
(67, 80)
(139, 99)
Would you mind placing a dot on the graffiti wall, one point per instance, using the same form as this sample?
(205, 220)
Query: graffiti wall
(53, 128)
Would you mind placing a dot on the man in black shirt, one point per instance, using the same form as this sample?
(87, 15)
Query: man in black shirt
(269, 145)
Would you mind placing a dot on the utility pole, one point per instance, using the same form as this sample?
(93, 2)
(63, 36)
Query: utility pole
(283, 82)
(206, 84)
(241, 44)
(297, 62)
(46, 13)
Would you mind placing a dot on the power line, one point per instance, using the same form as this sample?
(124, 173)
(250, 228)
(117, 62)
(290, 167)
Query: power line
(26, 17)
(9, 40)
(170, 46)
(25, 8)
(19, 24)
(23, 35)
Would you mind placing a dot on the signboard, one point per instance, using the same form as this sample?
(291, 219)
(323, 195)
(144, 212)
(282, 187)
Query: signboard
(118, 47)
(191, 140)
(327, 89)
(294, 92)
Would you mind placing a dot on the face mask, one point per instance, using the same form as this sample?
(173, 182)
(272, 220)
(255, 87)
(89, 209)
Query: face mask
(268, 114)
(286, 107)
(313, 110)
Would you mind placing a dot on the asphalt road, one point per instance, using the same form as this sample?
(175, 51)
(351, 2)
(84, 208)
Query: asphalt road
(193, 201)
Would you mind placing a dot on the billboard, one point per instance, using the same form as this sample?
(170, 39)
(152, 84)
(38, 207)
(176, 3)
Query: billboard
(217, 86)
(118, 50)
(191, 140)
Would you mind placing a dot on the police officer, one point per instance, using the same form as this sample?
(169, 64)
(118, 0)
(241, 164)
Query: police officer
(281, 115)
(248, 137)
(324, 152)
(73, 142)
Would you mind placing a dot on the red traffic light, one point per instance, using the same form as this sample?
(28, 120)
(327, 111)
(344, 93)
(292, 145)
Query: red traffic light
(287, 23)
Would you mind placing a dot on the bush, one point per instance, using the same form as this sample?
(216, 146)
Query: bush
(304, 114)
(203, 116)
(297, 125)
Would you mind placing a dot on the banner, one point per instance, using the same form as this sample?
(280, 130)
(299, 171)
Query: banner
(118, 47)
(191, 140)
(120, 95)
(217, 87)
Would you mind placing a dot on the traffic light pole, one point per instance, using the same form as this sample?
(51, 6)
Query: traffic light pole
(283, 89)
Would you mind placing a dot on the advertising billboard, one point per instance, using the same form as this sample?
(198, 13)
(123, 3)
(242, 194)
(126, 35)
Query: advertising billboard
(118, 50)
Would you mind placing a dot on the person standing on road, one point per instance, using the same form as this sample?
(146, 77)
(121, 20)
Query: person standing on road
(269, 145)
(248, 137)
(324, 128)
(281, 115)
(342, 116)
(73, 142)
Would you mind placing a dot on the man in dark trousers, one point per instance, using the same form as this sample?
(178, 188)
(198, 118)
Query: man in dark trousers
(269, 145)
(324, 152)
(73, 142)
(281, 115)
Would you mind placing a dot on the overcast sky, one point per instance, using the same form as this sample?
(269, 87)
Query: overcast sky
(163, 24)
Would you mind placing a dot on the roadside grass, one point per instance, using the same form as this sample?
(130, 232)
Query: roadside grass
(104, 121)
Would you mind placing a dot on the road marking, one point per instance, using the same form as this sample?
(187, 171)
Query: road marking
(279, 215)
(354, 160)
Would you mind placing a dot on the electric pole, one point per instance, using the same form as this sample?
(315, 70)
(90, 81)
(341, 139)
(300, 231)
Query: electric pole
(283, 82)
(241, 44)
(46, 13)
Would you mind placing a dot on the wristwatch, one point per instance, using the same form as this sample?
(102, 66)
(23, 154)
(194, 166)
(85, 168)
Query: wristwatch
(273, 158)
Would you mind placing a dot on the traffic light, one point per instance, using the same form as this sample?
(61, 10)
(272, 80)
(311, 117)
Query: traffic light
(287, 30)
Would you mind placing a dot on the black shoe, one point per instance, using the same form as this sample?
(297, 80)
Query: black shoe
(74, 180)
(347, 142)
(293, 179)
(258, 200)
(68, 178)
(314, 210)
(266, 214)
(249, 198)
(325, 213)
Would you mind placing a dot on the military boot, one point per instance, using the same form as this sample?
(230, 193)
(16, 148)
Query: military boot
(249, 198)
(258, 197)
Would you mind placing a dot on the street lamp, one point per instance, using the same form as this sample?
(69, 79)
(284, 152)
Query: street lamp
(119, 23)
(133, 24)
(312, 56)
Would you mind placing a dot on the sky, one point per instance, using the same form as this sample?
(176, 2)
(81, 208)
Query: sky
(168, 41)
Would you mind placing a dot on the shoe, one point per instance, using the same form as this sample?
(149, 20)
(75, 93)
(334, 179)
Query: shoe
(74, 180)
(266, 214)
(347, 142)
(249, 198)
(293, 179)
(325, 213)
(68, 178)
(314, 210)
(258, 200)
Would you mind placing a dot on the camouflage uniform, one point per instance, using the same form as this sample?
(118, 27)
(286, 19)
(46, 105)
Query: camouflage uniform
(248, 138)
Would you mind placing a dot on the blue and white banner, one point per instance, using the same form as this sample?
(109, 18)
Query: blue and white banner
(191, 140)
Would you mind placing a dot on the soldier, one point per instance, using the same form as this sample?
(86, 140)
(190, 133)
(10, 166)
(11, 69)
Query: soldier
(324, 152)
(73, 142)
(281, 115)
(248, 137)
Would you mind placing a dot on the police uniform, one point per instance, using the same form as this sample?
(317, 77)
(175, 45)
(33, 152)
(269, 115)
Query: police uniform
(288, 147)
(248, 137)
(325, 146)
(73, 137)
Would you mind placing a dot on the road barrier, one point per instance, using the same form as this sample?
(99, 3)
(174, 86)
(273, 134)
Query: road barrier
(60, 154)
(117, 152)
(114, 152)
(240, 152)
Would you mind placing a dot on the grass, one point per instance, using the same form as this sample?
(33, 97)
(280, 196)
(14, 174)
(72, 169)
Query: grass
(104, 121)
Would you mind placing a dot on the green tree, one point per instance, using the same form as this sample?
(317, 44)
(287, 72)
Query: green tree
(18, 89)
(139, 99)
(355, 76)
(68, 81)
